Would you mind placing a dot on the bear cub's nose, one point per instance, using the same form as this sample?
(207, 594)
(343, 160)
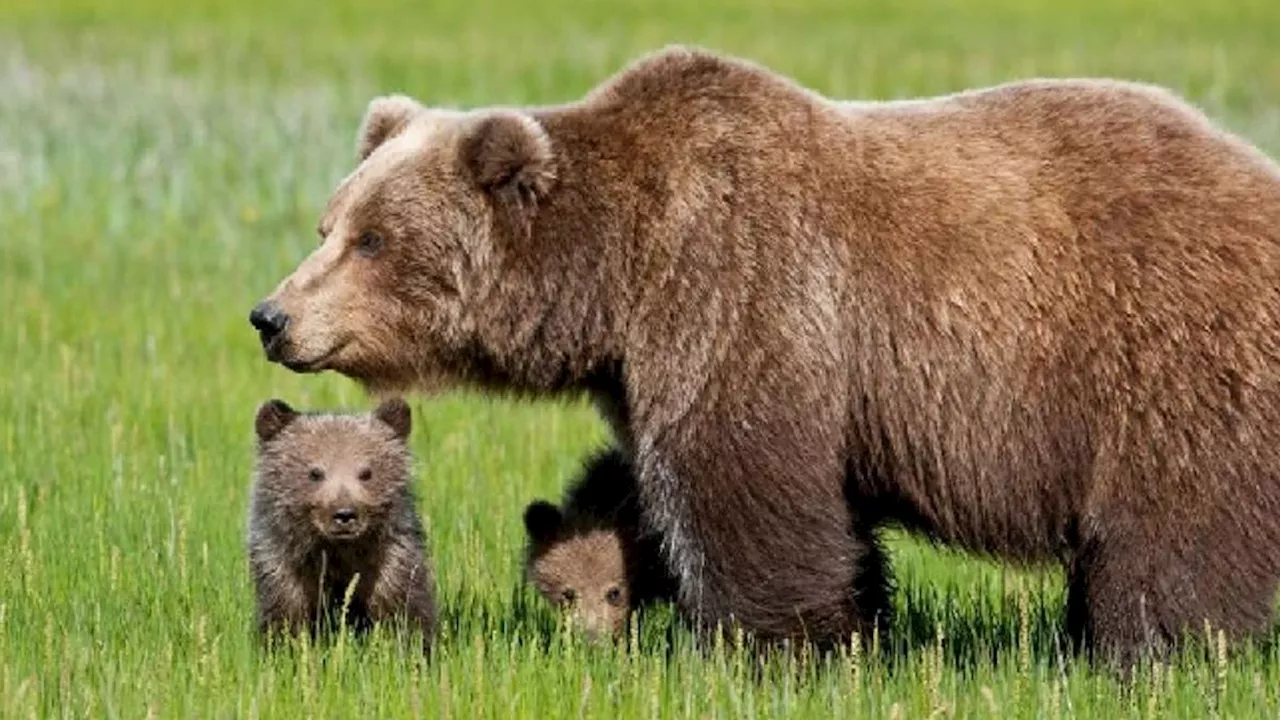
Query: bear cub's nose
(269, 321)
(344, 516)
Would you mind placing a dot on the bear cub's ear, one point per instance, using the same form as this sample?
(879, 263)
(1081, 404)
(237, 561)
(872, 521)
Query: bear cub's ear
(508, 153)
(542, 521)
(273, 416)
(396, 414)
(385, 117)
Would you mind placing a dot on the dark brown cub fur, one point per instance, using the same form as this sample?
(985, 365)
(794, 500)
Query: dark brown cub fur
(592, 555)
(332, 512)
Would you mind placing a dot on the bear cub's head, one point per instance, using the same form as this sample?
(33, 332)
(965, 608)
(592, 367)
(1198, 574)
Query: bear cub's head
(581, 571)
(332, 478)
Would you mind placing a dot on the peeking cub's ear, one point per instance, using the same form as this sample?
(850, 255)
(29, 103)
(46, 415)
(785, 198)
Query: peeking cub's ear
(395, 413)
(385, 117)
(542, 521)
(273, 416)
(509, 155)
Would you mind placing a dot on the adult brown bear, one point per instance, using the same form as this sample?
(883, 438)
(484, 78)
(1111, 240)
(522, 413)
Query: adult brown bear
(1039, 321)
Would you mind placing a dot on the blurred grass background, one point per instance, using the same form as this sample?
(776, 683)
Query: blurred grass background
(163, 164)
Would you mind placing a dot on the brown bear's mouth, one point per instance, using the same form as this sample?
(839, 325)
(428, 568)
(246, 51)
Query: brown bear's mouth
(300, 366)
(273, 347)
(343, 534)
(306, 366)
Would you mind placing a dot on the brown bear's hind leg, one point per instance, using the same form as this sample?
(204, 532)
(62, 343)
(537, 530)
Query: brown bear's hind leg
(1132, 595)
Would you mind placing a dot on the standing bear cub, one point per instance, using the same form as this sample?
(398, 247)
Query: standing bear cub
(592, 556)
(332, 520)
(1039, 320)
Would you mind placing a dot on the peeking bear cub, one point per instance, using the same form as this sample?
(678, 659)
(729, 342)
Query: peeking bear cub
(591, 556)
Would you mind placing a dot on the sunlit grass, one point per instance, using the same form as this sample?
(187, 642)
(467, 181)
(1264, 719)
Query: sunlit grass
(162, 165)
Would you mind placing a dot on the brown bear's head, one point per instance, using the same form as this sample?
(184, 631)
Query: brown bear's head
(407, 244)
(582, 571)
(330, 476)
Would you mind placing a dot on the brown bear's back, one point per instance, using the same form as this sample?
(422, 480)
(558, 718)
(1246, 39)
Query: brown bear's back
(930, 265)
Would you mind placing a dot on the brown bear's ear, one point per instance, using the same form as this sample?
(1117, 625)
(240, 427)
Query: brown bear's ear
(509, 156)
(542, 521)
(273, 416)
(395, 413)
(385, 117)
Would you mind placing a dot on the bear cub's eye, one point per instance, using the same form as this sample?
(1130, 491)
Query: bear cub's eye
(316, 474)
(568, 595)
(365, 474)
(369, 243)
(614, 596)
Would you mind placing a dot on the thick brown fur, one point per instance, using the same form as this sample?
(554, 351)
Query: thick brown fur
(1039, 320)
(332, 512)
(593, 555)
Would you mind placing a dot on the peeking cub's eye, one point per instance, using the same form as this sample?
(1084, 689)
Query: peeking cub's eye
(365, 474)
(614, 596)
(316, 474)
(568, 595)
(369, 243)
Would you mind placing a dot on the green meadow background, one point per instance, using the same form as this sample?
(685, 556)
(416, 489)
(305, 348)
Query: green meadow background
(163, 164)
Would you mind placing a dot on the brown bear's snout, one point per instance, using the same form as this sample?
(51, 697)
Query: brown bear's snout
(270, 322)
(340, 523)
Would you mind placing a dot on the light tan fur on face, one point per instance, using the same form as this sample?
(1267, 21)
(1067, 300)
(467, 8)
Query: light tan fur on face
(350, 458)
(340, 488)
(338, 312)
(428, 182)
(585, 576)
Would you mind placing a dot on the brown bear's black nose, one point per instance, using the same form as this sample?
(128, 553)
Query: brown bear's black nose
(344, 516)
(269, 320)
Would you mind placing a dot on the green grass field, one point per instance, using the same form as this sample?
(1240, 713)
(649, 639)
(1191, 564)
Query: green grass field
(162, 164)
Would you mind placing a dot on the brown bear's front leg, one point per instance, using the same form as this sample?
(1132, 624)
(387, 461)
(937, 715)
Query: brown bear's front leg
(283, 605)
(758, 533)
(281, 617)
(404, 590)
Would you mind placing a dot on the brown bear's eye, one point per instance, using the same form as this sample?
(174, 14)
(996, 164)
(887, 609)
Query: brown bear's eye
(614, 596)
(568, 595)
(369, 243)
(365, 474)
(316, 474)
